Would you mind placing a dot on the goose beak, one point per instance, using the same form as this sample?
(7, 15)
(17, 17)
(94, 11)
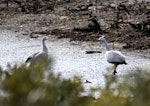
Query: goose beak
(46, 37)
(100, 38)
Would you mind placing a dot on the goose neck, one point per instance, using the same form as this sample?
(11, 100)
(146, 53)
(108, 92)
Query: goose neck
(106, 45)
(44, 46)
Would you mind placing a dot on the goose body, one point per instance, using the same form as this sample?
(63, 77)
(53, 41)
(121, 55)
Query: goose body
(39, 55)
(113, 56)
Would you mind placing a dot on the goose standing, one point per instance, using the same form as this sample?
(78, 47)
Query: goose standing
(39, 55)
(113, 56)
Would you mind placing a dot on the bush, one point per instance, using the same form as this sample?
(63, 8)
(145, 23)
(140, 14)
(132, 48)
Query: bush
(28, 86)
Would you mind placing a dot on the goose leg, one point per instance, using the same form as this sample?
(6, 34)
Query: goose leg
(115, 67)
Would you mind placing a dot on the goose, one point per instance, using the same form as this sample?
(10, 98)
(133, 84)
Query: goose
(113, 56)
(39, 55)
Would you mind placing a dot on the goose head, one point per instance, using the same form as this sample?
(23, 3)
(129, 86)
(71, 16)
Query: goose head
(44, 38)
(102, 39)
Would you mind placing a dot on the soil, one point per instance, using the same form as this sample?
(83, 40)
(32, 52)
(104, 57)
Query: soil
(123, 22)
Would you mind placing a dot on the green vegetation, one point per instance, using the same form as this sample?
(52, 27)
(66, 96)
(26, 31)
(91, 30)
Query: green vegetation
(28, 86)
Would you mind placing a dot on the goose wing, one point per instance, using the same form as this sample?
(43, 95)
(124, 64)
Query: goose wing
(31, 57)
(37, 56)
(40, 55)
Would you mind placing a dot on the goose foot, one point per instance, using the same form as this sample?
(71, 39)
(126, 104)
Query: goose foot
(87, 81)
(114, 73)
